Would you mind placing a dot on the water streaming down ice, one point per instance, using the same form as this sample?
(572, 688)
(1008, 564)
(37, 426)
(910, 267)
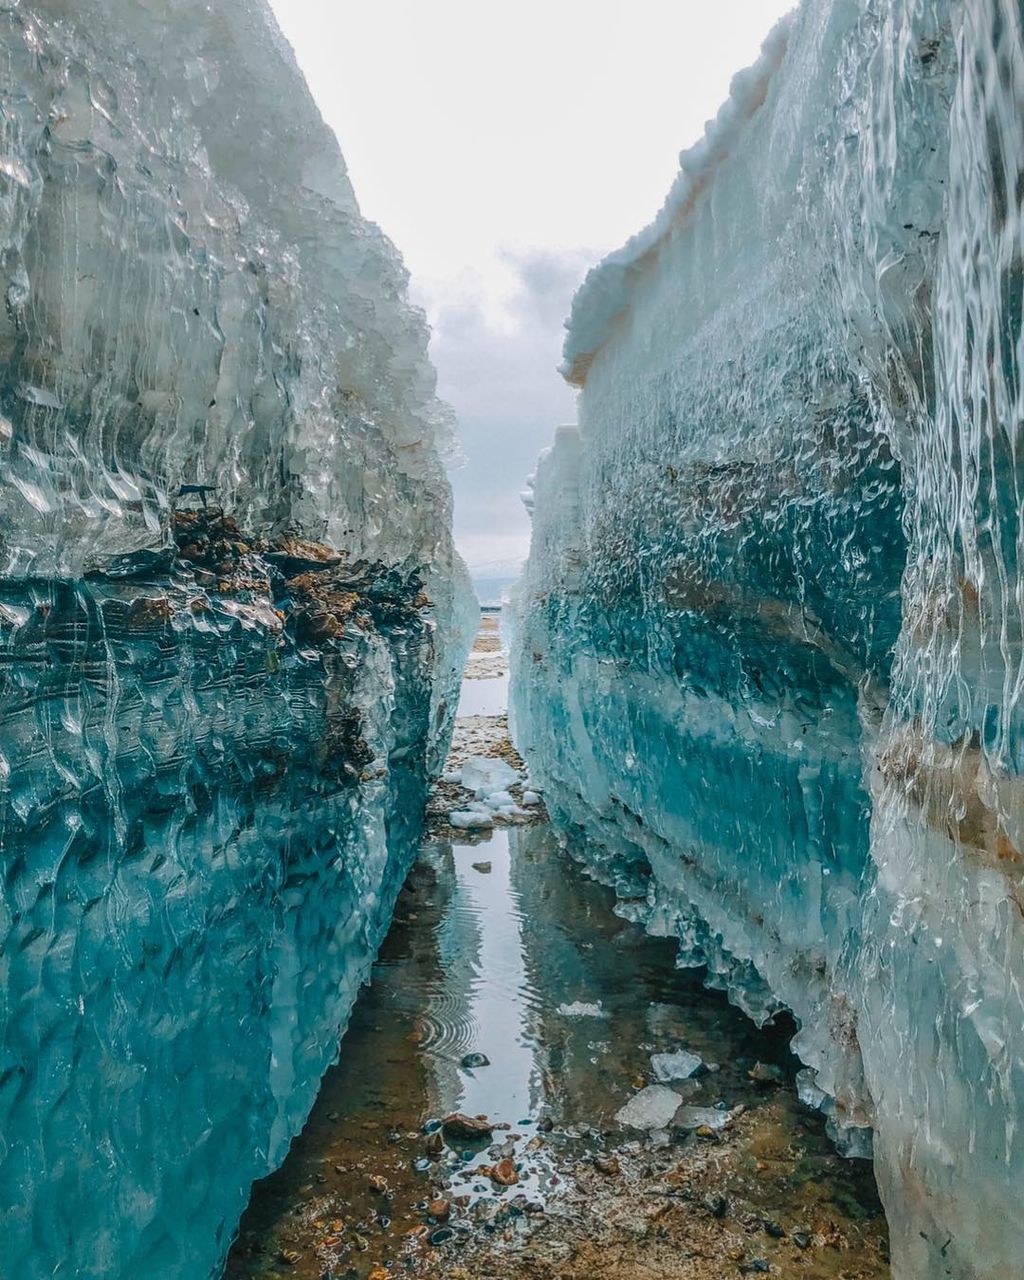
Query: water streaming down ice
(768, 653)
(232, 622)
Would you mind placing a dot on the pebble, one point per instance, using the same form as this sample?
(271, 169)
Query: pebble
(473, 1060)
(801, 1239)
(504, 1173)
(608, 1165)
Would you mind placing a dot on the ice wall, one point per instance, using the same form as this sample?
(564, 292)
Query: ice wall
(768, 653)
(232, 622)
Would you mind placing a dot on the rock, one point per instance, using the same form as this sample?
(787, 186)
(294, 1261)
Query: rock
(530, 799)
(679, 1065)
(775, 1230)
(441, 1236)
(504, 1173)
(716, 1205)
(435, 1144)
(608, 1165)
(473, 1060)
(439, 1209)
(463, 1126)
(483, 867)
(802, 1239)
(379, 1184)
(290, 1257)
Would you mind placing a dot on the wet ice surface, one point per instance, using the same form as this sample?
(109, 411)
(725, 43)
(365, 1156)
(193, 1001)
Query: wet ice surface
(502, 947)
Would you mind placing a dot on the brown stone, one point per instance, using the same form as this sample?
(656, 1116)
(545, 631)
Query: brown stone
(463, 1126)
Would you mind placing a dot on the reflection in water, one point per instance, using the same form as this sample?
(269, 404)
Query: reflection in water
(484, 697)
(499, 997)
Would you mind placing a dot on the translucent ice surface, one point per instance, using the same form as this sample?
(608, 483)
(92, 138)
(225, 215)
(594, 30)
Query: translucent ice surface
(769, 645)
(231, 620)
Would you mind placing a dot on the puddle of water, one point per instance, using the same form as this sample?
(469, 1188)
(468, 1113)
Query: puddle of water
(484, 697)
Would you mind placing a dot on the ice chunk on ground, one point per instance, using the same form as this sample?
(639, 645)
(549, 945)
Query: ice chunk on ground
(679, 1065)
(470, 819)
(651, 1108)
(484, 775)
(702, 1117)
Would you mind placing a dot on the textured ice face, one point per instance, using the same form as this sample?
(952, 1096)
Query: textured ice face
(192, 296)
(232, 621)
(768, 648)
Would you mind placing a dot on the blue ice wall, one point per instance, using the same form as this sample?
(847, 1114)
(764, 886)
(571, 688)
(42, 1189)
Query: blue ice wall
(767, 656)
(232, 622)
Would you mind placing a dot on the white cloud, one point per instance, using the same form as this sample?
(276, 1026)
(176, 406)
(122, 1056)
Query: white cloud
(499, 372)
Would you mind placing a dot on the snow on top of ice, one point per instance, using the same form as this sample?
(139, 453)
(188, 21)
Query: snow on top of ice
(605, 293)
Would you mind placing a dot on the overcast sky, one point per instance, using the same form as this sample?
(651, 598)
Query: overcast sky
(505, 148)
